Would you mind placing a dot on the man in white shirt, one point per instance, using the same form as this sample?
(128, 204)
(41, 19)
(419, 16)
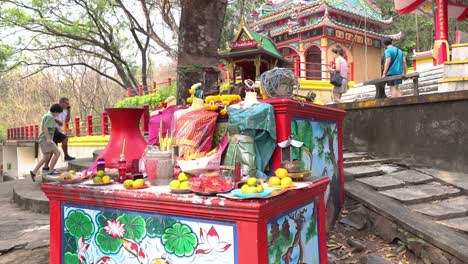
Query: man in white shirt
(60, 137)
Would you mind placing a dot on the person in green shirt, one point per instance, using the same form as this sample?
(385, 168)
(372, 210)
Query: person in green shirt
(45, 140)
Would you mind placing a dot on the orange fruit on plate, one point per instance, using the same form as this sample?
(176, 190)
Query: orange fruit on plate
(286, 181)
(281, 173)
(274, 181)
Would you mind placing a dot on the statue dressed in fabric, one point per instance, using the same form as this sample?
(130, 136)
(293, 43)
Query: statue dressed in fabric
(194, 130)
(252, 131)
(161, 120)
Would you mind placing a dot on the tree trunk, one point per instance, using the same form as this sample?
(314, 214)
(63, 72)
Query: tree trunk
(201, 23)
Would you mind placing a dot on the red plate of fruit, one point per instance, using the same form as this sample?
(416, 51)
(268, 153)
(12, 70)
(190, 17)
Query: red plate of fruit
(211, 184)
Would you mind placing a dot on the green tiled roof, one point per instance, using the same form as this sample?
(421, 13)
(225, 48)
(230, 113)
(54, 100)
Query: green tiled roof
(364, 8)
(268, 45)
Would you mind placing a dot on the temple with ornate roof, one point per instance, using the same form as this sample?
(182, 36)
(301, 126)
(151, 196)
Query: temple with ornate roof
(305, 32)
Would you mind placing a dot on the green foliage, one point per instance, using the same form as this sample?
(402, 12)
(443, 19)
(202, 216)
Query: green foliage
(68, 33)
(408, 242)
(236, 10)
(418, 31)
(79, 224)
(6, 52)
(311, 231)
(153, 100)
(276, 251)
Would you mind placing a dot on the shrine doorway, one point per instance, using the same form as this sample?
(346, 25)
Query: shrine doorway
(314, 63)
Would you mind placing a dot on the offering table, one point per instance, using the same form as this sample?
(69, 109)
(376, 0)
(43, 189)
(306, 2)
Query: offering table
(110, 224)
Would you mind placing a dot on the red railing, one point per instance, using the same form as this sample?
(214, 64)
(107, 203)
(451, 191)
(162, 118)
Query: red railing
(139, 91)
(313, 71)
(24, 133)
(93, 126)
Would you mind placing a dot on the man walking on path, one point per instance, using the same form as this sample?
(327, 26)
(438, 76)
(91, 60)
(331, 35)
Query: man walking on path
(60, 137)
(395, 64)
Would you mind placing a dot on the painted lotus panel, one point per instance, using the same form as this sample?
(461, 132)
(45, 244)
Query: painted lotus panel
(93, 235)
(320, 156)
(293, 238)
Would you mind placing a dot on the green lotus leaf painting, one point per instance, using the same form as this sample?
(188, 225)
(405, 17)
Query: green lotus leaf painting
(107, 243)
(71, 258)
(108, 235)
(155, 226)
(135, 226)
(179, 239)
(70, 243)
(105, 216)
(79, 224)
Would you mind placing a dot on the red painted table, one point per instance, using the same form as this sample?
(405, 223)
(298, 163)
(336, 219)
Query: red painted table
(109, 224)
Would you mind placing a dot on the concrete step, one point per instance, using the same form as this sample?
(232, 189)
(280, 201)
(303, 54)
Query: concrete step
(456, 69)
(459, 224)
(29, 196)
(360, 172)
(455, 84)
(96, 153)
(80, 164)
(460, 51)
(348, 164)
(396, 180)
(350, 156)
(391, 219)
(414, 194)
(456, 179)
(444, 209)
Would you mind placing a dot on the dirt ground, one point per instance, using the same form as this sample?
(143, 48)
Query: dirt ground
(347, 245)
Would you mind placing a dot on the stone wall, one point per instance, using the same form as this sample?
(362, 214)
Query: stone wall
(428, 130)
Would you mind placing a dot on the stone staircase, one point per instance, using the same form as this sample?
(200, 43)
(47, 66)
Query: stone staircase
(428, 83)
(455, 77)
(426, 205)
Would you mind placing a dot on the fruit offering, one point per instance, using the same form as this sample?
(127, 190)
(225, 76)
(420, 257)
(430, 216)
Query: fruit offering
(253, 185)
(70, 175)
(281, 178)
(139, 183)
(211, 182)
(101, 177)
(182, 182)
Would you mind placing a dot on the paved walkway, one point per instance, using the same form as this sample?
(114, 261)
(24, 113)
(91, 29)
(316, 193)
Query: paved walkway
(24, 235)
(431, 206)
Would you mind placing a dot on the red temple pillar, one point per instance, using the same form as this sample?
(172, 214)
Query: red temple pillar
(441, 31)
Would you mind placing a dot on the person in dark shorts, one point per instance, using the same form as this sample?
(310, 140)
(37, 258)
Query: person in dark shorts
(395, 64)
(60, 137)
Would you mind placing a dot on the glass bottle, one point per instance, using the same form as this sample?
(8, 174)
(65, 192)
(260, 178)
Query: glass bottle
(175, 155)
(122, 169)
(101, 164)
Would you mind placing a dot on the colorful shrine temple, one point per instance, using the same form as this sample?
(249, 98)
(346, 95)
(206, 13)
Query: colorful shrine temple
(305, 32)
(250, 54)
